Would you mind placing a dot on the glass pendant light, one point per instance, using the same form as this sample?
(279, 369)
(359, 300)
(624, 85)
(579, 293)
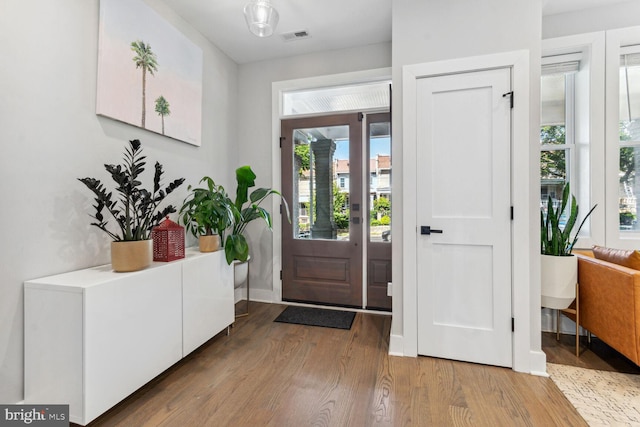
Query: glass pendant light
(261, 17)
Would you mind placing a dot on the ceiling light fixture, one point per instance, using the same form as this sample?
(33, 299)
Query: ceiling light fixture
(261, 17)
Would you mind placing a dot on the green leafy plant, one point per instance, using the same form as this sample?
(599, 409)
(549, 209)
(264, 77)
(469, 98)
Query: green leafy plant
(136, 210)
(246, 208)
(207, 211)
(555, 238)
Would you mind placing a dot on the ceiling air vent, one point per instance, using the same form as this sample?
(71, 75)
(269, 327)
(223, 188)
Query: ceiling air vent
(295, 35)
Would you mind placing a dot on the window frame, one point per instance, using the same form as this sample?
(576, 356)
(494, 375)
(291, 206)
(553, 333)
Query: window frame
(588, 170)
(569, 147)
(616, 42)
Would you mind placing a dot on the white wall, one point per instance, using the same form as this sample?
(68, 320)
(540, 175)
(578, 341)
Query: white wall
(439, 30)
(618, 15)
(51, 136)
(255, 142)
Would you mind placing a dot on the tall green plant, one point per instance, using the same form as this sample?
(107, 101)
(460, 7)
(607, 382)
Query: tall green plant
(555, 239)
(136, 210)
(246, 209)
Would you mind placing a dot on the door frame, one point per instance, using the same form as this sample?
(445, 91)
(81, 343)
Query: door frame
(527, 353)
(277, 91)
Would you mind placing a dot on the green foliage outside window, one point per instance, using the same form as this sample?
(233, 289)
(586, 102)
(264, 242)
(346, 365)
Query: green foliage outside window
(553, 163)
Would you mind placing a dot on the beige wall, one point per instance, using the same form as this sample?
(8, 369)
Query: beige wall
(51, 135)
(615, 15)
(439, 30)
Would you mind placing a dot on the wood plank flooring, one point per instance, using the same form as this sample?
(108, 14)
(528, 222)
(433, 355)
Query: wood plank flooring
(275, 374)
(597, 355)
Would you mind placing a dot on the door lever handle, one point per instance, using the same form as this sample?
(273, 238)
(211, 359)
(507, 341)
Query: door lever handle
(425, 229)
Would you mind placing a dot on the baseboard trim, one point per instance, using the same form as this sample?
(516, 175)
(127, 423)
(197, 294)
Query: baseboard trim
(548, 323)
(258, 295)
(538, 363)
(396, 345)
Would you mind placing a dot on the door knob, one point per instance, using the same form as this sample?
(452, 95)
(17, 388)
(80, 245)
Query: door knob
(425, 229)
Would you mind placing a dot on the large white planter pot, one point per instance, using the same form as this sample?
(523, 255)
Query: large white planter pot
(131, 255)
(240, 272)
(559, 275)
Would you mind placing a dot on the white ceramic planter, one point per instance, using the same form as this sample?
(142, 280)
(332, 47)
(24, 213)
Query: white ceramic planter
(559, 275)
(240, 272)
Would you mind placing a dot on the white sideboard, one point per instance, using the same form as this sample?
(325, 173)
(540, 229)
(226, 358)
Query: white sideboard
(92, 337)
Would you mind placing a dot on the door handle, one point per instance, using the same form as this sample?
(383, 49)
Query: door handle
(425, 229)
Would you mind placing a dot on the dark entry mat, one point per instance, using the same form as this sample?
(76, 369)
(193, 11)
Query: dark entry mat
(317, 317)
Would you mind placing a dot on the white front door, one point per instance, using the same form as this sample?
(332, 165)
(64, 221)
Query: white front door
(463, 190)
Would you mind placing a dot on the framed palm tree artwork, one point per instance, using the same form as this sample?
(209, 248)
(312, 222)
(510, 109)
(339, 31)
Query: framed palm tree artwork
(149, 73)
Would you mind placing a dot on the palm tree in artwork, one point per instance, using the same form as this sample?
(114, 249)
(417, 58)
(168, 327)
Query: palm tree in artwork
(145, 59)
(162, 108)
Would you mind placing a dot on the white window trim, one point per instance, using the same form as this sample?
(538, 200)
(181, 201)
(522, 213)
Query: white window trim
(588, 177)
(615, 43)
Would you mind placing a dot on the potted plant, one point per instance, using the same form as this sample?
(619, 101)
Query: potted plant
(559, 268)
(135, 209)
(246, 208)
(207, 213)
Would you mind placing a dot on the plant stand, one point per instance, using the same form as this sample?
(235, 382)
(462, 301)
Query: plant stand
(575, 312)
(246, 311)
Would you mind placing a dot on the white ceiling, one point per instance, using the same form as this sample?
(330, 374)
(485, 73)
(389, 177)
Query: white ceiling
(332, 24)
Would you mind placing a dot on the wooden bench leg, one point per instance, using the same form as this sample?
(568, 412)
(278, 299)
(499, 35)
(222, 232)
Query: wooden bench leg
(577, 320)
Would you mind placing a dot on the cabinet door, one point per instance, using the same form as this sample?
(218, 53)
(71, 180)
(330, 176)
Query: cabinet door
(132, 333)
(208, 302)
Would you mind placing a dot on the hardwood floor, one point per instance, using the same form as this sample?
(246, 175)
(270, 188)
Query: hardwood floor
(275, 374)
(596, 355)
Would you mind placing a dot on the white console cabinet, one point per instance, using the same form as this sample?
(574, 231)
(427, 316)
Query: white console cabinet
(92, 337)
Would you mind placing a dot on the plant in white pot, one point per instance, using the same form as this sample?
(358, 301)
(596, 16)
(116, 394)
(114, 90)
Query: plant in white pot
(135, 209)
(246, 208)
(559, 268)
(207, 213)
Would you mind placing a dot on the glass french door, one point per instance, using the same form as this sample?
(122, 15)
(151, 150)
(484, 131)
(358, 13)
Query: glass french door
(338, 214)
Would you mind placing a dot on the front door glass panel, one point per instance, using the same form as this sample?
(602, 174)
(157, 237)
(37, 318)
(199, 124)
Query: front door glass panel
(321, 183)
(380, 182)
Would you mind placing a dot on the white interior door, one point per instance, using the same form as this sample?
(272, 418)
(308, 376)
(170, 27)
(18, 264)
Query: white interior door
(463, 190)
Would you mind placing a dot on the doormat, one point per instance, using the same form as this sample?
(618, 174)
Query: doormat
(317, 317)
(602, 398)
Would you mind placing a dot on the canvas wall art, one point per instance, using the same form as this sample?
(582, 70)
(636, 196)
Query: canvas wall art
(149, 73)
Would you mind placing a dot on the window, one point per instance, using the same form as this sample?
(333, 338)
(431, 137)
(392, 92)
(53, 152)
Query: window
(341, 182)
(629, 139)
(557, 124)
(572, 133)
(622, 121)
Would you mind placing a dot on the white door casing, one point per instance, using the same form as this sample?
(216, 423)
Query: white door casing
(463, 188)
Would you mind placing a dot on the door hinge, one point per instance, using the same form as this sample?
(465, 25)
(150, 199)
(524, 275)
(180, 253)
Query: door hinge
(510, 95)
(281, 139)
(513, 324)
(511, 213)
(360, 117)
(280, 274)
